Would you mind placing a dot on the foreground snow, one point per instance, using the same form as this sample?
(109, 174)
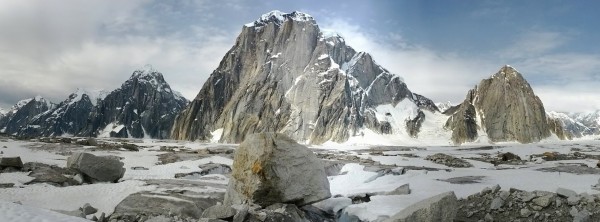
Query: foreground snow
(21, 213)
(354, 178)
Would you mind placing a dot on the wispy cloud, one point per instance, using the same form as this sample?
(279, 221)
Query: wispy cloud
(534, 43)
(438, 75)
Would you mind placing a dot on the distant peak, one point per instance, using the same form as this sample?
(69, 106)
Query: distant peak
(507, 71)
(146, 72)
(279, 17)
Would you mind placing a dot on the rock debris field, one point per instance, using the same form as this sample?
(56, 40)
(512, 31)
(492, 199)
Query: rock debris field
(270, 177)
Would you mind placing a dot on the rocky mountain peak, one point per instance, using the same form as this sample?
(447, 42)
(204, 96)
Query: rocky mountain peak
(93, 95)
(277, 17)
(284, 75)
(502, 108)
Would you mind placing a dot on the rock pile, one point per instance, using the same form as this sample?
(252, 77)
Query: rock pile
(448, 160)
(492, 204)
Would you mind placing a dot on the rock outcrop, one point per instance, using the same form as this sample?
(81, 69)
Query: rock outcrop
(271, 168)
(504, 107)
(284, 75)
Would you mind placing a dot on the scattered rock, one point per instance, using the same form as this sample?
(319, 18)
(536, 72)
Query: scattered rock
(6, 185)
(562, 192)
(271, 168)
(139, 168)
(463, 180)
(51, 176)
(582, 216)
(508, 156)
(448, 160)
(334, 205)
(152, 204)
(543, 201)
(488, 218)
(13, 162)
(497, 203)
(130, 147)
(96, 168)
(74, 213)
(219, 212)
(573, 200)
(442, 207)
(210, 168)
(87, 209)
(401, 190)
(525, 212)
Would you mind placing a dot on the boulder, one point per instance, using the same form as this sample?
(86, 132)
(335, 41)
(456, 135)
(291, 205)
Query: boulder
(153, 204)
(562, 192)
(271, 168)
(97, 168)
(14, 162)
(50, 176)
(219, 212)
(442, 207)
(87, 209)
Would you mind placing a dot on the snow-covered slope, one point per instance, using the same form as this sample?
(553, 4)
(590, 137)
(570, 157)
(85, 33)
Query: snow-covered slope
(579, 124)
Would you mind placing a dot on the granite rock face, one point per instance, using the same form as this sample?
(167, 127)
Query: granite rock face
(21, 114)
(284, 75)
(271, 168)
(67, 118)
(505, 108)
(144, 106)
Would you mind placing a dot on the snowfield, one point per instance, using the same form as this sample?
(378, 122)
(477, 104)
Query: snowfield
(37, 202)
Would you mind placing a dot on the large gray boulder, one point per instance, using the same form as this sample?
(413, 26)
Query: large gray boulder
(271, 168)
(14, 162)
(96, 168)
(439, 208)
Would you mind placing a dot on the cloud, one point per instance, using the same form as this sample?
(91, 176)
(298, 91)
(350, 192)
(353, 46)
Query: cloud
(52, 49)
(534, 43)
(438, 75)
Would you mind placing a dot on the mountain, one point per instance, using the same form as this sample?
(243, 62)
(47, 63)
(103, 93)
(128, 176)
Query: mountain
(66, 118)
(19, 116)
(143, 107)
(442, 107)
(579, 124)
(503, 108)
(284, 75)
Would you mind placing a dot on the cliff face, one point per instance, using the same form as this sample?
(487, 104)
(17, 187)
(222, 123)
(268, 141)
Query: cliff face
(144, 106)
(19, 116)
(505, 108)
(284, 75)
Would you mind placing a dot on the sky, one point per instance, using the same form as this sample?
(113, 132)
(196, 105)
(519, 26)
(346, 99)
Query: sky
(441, 48)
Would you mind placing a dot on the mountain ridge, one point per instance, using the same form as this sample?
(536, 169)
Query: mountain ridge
(315, 87)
